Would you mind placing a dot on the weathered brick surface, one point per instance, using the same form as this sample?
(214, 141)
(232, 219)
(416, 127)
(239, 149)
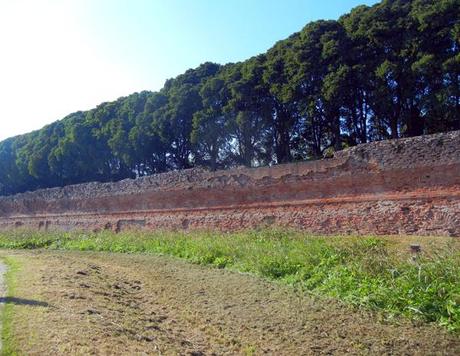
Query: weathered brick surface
(409, 186)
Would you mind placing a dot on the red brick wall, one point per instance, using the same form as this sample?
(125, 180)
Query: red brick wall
(409, 186)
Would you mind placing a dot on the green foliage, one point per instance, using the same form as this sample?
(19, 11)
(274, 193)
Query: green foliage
(386, 71)
(362, 271)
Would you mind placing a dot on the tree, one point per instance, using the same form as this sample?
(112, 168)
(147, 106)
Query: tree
(251, 111)
(211, 124)
(385, 71)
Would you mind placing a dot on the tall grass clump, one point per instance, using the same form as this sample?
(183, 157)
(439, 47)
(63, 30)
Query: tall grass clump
(370, 272)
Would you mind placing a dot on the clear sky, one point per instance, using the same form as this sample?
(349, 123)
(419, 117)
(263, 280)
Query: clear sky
(61, 56)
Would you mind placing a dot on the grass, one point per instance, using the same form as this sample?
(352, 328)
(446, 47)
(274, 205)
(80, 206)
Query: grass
(8, 339)
(377, 273)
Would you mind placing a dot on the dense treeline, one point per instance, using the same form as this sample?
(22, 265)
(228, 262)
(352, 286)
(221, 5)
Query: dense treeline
(386, 71)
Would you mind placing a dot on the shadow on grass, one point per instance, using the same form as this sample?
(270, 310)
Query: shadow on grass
(20, 301)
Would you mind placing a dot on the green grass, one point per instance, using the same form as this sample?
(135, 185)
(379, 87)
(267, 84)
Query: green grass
(368, 272)
(8, 340)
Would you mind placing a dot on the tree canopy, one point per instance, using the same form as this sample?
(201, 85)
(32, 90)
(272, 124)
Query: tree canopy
(386, 71)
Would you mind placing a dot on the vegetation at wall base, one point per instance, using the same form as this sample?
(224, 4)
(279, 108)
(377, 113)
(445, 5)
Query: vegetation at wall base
(386, 71)
(377, 273)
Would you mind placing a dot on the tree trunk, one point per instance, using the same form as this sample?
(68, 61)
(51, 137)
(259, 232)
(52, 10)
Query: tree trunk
(415, 124)
(282, 138)
(336, 133)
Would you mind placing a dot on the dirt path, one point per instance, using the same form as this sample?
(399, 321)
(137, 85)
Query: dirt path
(89, 303)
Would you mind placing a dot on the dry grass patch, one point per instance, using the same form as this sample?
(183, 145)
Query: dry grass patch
(104, 303)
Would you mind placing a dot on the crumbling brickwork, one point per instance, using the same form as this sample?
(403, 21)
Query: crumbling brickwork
(406, 186)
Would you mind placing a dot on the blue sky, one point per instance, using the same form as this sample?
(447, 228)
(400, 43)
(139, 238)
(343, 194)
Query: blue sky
(60, 56)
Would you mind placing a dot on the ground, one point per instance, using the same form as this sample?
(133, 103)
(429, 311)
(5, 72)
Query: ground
(104, 303)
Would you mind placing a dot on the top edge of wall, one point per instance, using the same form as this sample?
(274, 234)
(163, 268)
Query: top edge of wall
(428, 150)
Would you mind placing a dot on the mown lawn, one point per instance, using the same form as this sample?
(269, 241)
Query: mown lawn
(377, 273)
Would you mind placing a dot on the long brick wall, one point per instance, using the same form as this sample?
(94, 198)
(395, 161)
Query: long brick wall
(406, 186)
